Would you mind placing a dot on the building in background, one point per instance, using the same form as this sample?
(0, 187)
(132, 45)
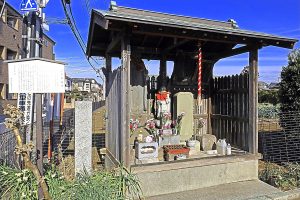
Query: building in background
(10, 43)
(14, 46)
(48, 48)
(89, 88)
(68, 84)
(78, 89)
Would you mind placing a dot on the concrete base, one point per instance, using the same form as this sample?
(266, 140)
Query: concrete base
(184, 175)
(245, 190)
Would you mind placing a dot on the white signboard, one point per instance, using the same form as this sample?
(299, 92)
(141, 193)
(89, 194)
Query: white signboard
(36, 76)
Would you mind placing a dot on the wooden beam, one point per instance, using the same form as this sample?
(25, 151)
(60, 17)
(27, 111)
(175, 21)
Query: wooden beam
(176, 44)
(253, 102)
(144, 40)
(233, 52)
(100, 21)
(125, 99)
(209, 35)
(159, 41)
(163, 71)
(107, 72)
(114, 41)
(146, 50)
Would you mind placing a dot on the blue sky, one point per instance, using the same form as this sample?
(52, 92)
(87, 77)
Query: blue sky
(280, 17)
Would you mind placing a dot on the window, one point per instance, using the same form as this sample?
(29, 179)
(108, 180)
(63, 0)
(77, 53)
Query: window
(87, 86)
(11, 55)
(12, 22)
(46, 42)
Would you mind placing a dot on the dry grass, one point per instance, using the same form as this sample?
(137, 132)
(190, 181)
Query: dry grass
(286, 177)
(269, 125)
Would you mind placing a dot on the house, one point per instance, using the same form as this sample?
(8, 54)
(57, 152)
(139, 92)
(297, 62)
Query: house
(88, 88)
(13, 45)
(48, 47)
(227, 105)
(262, 85)
(274, 86)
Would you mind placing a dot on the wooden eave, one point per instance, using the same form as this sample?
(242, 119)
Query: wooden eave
(103, 23)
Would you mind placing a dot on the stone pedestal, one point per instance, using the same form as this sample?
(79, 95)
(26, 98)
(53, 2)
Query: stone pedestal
(83, 136)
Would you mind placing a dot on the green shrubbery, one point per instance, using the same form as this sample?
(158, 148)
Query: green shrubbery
(268, 111)
(289, 92)
(284, 177)
(268, 96)
(103, 185)
(17, 184)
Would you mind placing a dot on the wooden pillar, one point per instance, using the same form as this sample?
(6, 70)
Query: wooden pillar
(106, 88)
(209, 109)
(125, 92)
(39, 138)
(253, 101)
(107, 73)
(163, 71)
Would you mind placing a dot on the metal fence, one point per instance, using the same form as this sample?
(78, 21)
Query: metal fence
(61, 135)
(7, 148)
(279, 139)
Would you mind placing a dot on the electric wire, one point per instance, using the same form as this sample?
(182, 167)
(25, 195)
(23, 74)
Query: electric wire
(76, 33)
(88, 6)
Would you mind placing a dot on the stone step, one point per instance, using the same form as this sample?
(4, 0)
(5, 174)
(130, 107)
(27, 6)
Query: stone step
(245, 190)
(184, 175)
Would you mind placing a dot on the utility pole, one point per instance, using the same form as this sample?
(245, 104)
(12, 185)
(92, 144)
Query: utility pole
(34, 38)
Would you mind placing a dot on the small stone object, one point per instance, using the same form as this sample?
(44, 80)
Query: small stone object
(207, 141)
(146, 150)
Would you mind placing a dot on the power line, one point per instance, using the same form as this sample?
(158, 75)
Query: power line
(75, 31)
(54, 20)
(88, 6)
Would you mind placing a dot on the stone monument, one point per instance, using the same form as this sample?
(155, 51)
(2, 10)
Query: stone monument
(83, 136)
(184, 102)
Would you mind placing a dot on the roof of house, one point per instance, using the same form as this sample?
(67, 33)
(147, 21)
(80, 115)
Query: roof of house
(144, 21)
(76, 80)
(137, 15)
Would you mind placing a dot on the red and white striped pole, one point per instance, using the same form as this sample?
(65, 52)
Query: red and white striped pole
(199, 76)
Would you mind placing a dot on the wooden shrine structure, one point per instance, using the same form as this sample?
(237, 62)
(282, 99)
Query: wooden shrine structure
(229, 103)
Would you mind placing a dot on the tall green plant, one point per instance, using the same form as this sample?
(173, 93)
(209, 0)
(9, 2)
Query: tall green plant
(119, 184)
(17, 184)
(289, 92)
